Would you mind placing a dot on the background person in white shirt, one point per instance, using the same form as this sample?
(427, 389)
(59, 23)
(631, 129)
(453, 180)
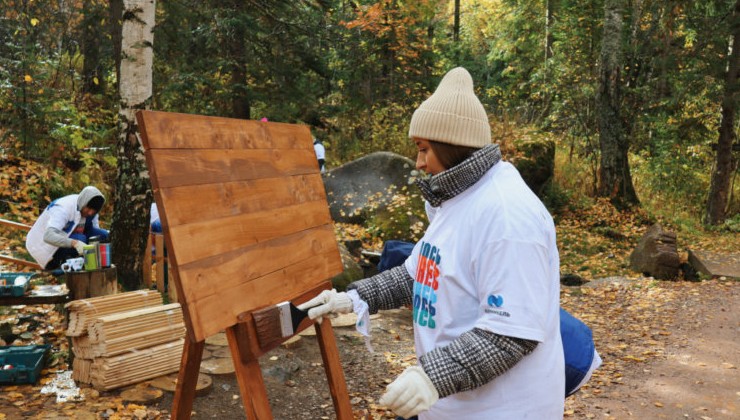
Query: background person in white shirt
(483, 282)
(320, 151)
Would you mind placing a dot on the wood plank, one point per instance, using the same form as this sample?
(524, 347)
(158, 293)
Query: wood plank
(333, 368)
(188, 204)
(147, 269)
(187, 379)
(19, 261)
(15, 225)
(197, 241)
(249, 376)
(172, 285)
(159, 260)
(209, 166)
(215, 312)
(166, 130)
(198, 280)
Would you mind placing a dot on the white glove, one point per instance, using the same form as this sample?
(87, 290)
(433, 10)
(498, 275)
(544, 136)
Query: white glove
(411, 393)
(79, 246)
(328, 303)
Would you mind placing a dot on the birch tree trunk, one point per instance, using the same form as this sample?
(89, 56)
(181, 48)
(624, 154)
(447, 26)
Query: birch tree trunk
(615, 180)
(133, 192)
(725, 164)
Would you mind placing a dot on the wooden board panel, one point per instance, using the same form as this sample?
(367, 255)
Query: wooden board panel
(212, 237)
(217, 311)
(185, 131)
(229, 269)
(244, 212)
(231, 198)
(210, 166)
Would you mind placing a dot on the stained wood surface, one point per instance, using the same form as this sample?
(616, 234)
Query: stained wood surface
(333, 368)
(15, 225)
(187, 379)
(244, 214)
(19, 261)
(87, 284)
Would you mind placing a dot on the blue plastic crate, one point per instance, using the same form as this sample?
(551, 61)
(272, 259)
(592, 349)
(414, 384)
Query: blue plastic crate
(7, 288)
(24, 363)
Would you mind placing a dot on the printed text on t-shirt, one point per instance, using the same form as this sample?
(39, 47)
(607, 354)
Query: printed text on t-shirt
(426, 285)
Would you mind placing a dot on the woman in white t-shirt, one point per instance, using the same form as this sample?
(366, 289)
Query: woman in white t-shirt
(483, 282)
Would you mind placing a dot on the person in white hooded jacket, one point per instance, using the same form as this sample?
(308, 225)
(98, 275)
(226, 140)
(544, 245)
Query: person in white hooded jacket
(65, 226)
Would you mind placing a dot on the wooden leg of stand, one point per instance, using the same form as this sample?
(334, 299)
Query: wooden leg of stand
(249, 376)
(147, 270)
(187, 379)
(159, 260)
(333, 368)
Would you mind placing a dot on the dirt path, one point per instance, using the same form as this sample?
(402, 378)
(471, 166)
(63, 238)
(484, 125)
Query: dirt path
(693, 373)
(670, 349)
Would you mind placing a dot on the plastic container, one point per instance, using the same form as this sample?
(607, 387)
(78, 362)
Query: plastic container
(8, 286)
(89, 252)
(22, 364)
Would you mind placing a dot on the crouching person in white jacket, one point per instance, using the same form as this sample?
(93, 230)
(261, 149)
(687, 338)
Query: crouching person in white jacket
(65, 226)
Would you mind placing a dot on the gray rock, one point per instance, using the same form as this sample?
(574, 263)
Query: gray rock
(656, 255)
(355, 186)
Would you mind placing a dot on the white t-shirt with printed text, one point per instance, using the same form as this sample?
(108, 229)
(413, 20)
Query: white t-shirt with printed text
(489, 260)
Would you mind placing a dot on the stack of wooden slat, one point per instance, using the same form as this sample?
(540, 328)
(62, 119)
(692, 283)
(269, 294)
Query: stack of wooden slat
(114, 334)
(114, 372)
(81, 347)
(125, 338)
(81, 370)
(84, 311)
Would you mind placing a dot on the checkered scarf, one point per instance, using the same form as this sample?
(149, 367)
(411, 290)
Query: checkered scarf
(439, 188)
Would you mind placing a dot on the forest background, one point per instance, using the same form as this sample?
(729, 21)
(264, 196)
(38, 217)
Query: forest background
(639, 97)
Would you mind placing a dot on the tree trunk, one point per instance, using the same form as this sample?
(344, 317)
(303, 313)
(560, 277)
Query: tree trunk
(92, 77)
(240, 104)
(725, 164)
(615, 180)
(130, 226)
(549, 9)
(456, 27)
(116, 14)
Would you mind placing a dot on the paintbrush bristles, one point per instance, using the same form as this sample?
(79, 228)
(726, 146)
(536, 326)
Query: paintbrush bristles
(267, 326)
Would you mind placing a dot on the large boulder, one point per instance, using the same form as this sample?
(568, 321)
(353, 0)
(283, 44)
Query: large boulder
(656, 254)
(365, 182)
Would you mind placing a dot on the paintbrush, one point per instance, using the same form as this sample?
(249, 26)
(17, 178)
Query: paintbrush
(275, 323)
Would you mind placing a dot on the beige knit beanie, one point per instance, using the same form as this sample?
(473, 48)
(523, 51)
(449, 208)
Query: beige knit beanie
(453, 114)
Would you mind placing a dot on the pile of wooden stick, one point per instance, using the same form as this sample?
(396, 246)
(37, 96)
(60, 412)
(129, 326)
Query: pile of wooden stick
(83, 311)
(125, 338)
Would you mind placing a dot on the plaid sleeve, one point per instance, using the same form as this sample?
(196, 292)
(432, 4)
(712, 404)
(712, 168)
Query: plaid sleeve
(388, 290)
(473, 360)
